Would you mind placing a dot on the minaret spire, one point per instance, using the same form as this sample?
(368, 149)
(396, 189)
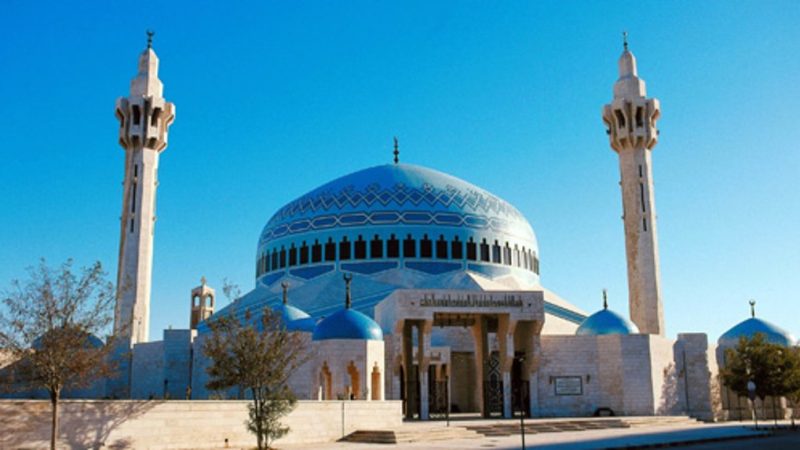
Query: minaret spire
(144, 119)
(605, 299)
(752, 308)
(285, 287)
(625, 41)
(150, 34)
(630, 119)
(396, 151)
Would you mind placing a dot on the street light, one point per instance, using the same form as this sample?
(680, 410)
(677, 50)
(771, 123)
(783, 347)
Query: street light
(751, 392)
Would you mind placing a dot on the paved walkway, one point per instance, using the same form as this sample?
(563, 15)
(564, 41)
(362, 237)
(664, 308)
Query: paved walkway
(642, 437)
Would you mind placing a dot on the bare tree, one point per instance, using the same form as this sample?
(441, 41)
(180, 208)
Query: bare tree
(257, 356)
(49, 329)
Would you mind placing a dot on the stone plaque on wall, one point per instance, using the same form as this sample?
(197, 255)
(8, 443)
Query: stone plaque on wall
(568, 385)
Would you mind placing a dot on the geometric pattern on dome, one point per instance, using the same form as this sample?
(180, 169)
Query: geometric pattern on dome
(353, 219)
(399, 194)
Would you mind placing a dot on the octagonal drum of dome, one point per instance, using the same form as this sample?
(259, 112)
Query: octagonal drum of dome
(392, 226)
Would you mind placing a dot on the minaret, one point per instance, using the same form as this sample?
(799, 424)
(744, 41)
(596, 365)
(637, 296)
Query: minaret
(144, 117)
(202, 303)
(631, 121)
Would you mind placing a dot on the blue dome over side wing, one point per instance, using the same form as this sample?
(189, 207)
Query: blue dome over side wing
(751, 327)
(606, 321)
(348, 324)
(295, 319)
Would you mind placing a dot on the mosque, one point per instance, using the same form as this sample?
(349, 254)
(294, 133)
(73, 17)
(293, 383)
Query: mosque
(411, 284)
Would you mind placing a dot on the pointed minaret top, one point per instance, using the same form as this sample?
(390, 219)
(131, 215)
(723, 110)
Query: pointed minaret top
(752, 308)
(629, 84)
(146, 82)
(396, 151)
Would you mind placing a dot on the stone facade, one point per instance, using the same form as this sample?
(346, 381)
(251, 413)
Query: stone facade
(182, 424)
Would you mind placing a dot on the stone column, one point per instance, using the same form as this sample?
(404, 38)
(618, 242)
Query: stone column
(481, 346)
(505, 339)
(423, 362)
(408, 368)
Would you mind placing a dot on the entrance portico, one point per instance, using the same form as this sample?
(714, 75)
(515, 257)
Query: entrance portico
(510, 319)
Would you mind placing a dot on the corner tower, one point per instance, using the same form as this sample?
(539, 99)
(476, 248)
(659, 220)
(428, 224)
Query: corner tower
(631, 122)
(144, 118)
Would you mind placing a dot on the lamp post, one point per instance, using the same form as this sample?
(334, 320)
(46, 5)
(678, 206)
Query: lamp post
(751, 392)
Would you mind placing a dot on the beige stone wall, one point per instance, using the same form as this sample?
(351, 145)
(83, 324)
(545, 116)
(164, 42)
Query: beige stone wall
(181, 424)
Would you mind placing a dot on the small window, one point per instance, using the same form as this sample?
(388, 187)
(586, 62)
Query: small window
(282, 257)
(330, 250)
(472, 250)
(137, 114)
(507, 254)
(274, 259)
(496, 252)
(639, 117)
(344, 249)
(484, 251)
(361, 248)
(316, 252)
(441, 248)
(393, 247)
(641, 194)
(456, 249)
(516, 255)
(292, 256)
(620, 118)
(535, 264)
(304, 253)
(524, 258)
(156, 116)
(425, 247)
(267, 261)
(409, 247)
(376, 247)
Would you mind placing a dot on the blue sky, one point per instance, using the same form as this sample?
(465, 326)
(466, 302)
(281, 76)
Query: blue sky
(275, 98)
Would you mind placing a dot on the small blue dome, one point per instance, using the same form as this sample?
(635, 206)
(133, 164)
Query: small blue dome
(753, 325)
(606, 321)
(348, 324)
(295, 319)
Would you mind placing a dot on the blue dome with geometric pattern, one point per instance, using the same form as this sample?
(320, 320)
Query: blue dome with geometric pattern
(606, 321)
(348, 323)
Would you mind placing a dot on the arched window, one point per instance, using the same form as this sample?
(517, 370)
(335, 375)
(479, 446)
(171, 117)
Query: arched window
(393, 247)
(507, 254)
(472, 253)
(282, 257)
(355, 381)
(316, 252)
(304, 253)
(535, 264)
(330, 250)
(325, 381)
(516, 255)
(496, 252)
(344, 249)
(524, 258)
(292, 256)
(425, 247)
(274, 259)
(360, 248)
(484, 250)
(409, 247)
(456, 249)
(441, 248)
(376, 247)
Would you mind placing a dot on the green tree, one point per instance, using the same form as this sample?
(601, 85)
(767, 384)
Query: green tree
(774, 369)
(48, 329)
(258, 357)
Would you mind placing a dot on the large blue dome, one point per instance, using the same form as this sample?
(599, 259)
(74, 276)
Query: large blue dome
(751, 327)
(397, 217)
(606, 321)
(348, 324)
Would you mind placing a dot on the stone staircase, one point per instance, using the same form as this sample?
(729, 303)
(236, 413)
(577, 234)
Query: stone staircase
(415, 434)
(436, 431)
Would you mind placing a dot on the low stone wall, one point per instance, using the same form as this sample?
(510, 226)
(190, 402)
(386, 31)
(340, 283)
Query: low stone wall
(180, 424)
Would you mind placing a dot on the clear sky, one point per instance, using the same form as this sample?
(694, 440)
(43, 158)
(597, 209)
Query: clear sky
(275, 98)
